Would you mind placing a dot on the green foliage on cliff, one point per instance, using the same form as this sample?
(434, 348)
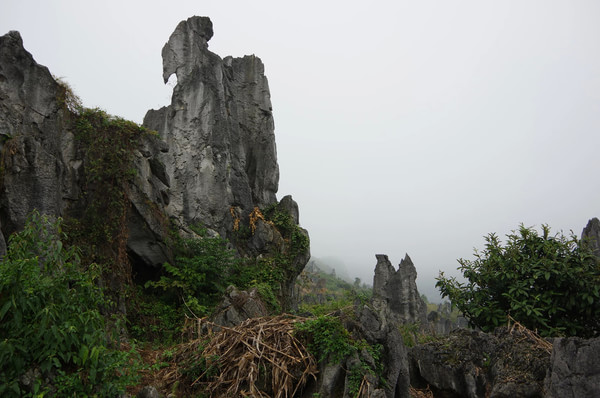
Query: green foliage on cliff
(549, 283)
(98, 224)
(321, 293)
(200, 273)
(330, 342)
(297, 240)
(50, 322)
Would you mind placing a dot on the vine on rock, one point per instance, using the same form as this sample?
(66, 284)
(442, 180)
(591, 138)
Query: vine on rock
(101, 229)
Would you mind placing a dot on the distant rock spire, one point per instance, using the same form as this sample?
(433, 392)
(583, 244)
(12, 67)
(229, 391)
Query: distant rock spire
(591, 236)
(399, 289)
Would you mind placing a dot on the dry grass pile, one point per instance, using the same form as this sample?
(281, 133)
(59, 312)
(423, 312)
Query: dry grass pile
(258, 358)
(420, 393)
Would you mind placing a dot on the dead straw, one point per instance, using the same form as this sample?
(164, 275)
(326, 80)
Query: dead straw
(260, 357)
(535, 338)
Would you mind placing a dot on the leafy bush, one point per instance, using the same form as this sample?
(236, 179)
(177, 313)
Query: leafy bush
(548, 283)
(200, 273)
(327, 338)
(156, 318)
(50, 324)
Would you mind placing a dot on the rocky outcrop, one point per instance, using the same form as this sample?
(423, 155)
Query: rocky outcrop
(222, 162)
(239, 305)
(377, 330)
(391, 380)
(398, 288)
(575, 368)
(512, 362)
(219, 128)
(39, 159)
(591, 236)
(44, 163)
(213, 161)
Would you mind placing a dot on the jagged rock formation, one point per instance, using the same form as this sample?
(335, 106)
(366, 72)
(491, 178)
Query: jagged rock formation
(213, 162)
(38, 157)
(219, 129)
(469, 363)
(398, 288)
(222, 161)
(575, 368)
(44, 164)
(591, 236)
(377, 330)
(334, 379)
(512, 362)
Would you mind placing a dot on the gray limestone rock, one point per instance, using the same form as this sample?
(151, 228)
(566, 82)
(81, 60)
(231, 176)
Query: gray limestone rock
(398, 288)
(376, 329)
(290, 207)
(469, 363)
(575, 368)
(239, 305)
(219, 129)
(38, 158)
(213, 157)
(44, 163)
(331, 379)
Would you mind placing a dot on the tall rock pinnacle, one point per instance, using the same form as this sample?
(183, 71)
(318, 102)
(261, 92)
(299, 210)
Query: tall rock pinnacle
(219, 128)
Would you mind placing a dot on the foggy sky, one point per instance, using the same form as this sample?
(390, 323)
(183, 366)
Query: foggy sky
(402, 127)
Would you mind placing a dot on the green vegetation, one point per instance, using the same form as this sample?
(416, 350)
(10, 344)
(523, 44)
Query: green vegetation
(50, 322)
(322, 293)
(101, 230)
(199, 276)
(329, 341)
(548, 283)
(412, 334)
(327, 338)
(297, 240)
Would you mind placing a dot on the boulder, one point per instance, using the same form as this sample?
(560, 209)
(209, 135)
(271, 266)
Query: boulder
(239, 305)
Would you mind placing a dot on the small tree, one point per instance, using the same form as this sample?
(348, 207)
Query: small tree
(548, 283)
(51, 329)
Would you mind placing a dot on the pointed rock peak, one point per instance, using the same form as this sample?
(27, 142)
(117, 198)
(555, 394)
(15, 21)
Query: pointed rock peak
(383, 272)
(15, 35)
(592, 225)
(186, 45)
(399, 289)
(406, 264)
(406, 260)
(382, 258)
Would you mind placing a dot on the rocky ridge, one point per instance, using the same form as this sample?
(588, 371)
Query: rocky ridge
(213, 162)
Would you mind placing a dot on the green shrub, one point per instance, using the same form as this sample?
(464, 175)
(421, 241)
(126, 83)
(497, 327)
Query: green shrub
(327, 338)
(50, 322)
(200, 273)
(156, 318)
(548, 283)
